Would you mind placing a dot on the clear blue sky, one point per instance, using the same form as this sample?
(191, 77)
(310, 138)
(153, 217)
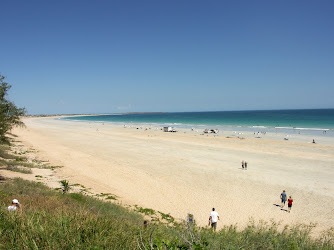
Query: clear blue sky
(80, 56)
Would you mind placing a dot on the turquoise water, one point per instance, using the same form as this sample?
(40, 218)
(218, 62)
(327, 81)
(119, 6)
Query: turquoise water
(301, 120)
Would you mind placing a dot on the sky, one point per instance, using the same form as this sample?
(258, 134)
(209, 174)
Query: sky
(108, 56)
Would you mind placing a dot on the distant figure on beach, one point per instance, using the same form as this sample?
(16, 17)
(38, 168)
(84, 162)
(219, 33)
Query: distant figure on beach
(290, 200)
(242, 164)
(283, 198)
(214, 217)
(15, 205)
(246, 165)
(313, 141)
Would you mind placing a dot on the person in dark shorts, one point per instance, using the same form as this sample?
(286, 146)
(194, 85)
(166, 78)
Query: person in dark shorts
(290, 200)
(283, 198)
(214, 217)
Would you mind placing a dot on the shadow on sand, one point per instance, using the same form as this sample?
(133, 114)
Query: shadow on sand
(281, 208)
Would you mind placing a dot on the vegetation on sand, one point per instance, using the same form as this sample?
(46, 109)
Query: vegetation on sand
(51, 220)
(65, 186)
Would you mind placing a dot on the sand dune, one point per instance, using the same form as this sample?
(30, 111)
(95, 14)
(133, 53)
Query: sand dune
(180, 173)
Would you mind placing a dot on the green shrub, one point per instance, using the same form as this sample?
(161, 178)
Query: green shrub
(66, 186)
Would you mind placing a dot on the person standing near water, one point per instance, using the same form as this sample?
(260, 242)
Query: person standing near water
(214, 217)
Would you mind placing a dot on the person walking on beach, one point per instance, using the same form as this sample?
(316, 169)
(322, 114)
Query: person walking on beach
(283, 198)
(214, 217)
(246, 165)
(242, 164)
(15, 205)
(290, 200)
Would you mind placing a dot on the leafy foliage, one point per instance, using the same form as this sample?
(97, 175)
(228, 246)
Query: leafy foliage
(66, 186)
(9, 113)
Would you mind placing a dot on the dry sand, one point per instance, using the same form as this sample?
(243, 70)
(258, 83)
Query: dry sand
(180, 173)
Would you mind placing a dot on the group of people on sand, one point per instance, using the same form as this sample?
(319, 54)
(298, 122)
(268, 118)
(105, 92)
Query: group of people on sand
(283, 200)
(244, 165)
(214, 216)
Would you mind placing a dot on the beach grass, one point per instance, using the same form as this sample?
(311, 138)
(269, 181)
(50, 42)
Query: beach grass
(14, 161)
(52, 220)
(4, 152)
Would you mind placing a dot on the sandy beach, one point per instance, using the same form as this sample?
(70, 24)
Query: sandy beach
(185, 172)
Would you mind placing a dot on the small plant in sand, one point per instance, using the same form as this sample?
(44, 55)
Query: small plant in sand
(21, 159)
(65, 186)
(107, 196)
(156, 215)
(166, 217)
(146, 211)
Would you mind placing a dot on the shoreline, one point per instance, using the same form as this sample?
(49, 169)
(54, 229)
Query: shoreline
(185, 127)
(260, 132)
(180, 173)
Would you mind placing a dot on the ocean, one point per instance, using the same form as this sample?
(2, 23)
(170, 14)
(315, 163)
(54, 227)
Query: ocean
(310, 121)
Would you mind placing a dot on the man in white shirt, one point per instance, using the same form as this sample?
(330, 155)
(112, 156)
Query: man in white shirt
(214, 217)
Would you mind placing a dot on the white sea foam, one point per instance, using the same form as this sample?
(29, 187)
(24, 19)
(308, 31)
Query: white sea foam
(314, 129)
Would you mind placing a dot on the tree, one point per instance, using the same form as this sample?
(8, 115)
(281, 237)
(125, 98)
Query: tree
(9, 114)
